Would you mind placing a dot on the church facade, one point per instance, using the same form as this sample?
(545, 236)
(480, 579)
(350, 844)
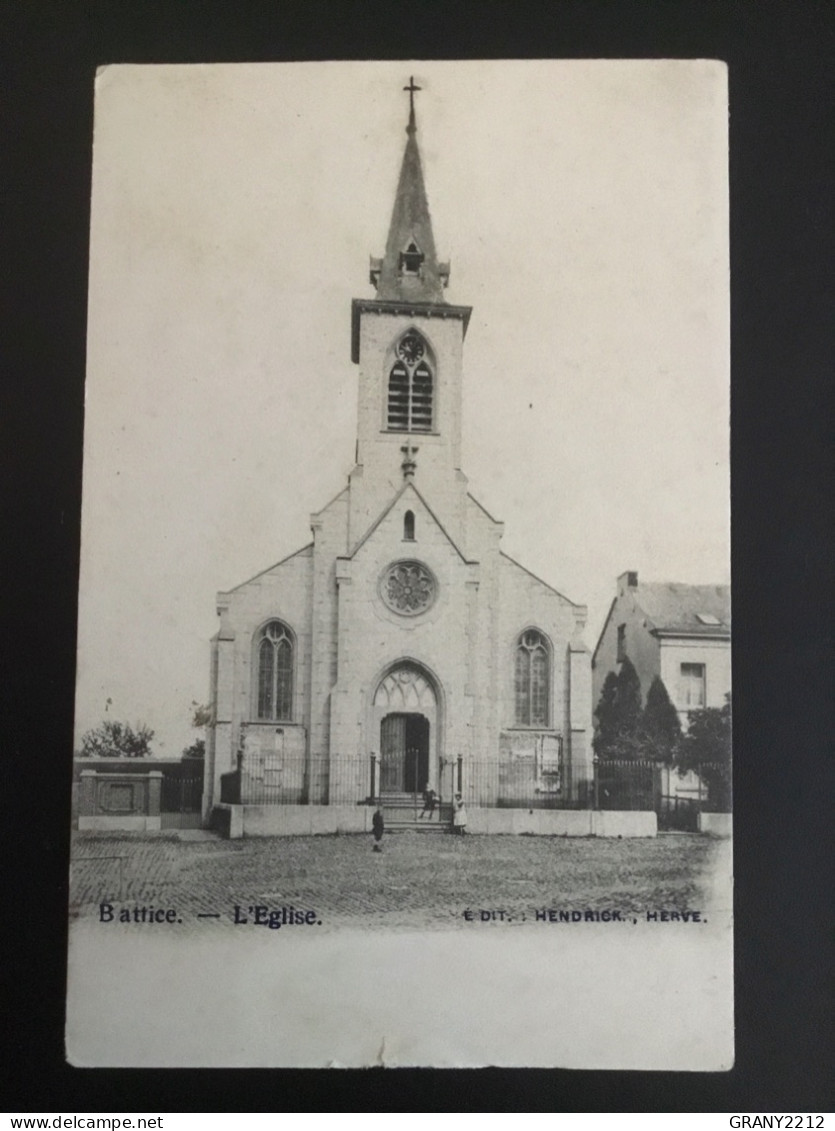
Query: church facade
(402, 649)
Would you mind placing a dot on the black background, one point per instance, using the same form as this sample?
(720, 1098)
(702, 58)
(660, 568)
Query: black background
(781, 128)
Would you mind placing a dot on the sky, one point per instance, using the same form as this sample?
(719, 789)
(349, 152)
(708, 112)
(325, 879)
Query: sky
(584, 208)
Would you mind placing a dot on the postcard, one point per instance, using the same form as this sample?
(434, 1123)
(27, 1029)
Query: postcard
(403, 699)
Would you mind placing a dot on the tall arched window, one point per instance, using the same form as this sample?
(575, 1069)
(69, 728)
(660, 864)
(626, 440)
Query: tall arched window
(275, 672)
(532, 679)
(409, 526)
(410, 387)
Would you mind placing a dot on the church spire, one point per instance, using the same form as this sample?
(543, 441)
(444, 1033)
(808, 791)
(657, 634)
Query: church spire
(410, 270)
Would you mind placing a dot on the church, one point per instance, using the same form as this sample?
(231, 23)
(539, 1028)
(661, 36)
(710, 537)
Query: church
(401, 649)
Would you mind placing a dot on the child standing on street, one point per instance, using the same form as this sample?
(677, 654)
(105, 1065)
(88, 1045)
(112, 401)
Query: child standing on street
(377, 829)
(459, 816)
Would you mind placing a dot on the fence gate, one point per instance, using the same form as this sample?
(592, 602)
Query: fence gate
(181, 803)
(678, 815)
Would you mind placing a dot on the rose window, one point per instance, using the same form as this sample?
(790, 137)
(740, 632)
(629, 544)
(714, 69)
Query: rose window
(408, 588)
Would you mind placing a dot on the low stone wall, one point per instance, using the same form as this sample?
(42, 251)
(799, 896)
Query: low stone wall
(129, 801)
(562, 822)
(716, 824)
(296, 820)
(312, 820)
(624, 822)
(536, 822)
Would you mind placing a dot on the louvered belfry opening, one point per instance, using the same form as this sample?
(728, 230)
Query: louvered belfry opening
(410, 390)
(411, 259)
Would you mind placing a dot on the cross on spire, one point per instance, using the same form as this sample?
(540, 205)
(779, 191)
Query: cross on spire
(412, 89)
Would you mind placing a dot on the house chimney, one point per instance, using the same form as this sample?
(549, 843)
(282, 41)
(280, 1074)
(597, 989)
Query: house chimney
(627, 580)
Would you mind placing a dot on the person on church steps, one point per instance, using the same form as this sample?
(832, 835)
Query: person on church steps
(459, 817)
(377, 829)
(430, 800)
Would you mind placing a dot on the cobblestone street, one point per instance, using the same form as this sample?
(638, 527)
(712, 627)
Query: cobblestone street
(418, 880)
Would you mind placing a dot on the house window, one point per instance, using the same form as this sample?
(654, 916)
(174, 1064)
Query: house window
(692, 686)
(708, 618)
(275, 672)
(409, 526)
(621, 643)
(410, 387)
(532, 679)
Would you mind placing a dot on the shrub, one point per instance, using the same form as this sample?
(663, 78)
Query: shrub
(196, 750)
(660, 724)
(706, 748)
(117, 740)
(618, 715)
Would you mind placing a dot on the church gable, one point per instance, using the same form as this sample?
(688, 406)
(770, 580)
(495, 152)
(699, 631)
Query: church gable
(334, 513)
(517, 576)
(405, 506)
(281, 591)
(407, 532)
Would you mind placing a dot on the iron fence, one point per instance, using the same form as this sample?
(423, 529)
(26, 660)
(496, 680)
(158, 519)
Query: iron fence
(515, 782)
(678, 797)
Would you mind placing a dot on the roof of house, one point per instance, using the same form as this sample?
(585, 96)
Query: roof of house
(692, 610)
(674, 609)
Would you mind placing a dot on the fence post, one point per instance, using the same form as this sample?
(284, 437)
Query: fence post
(596, 791)
(373, 777)
(87, 794)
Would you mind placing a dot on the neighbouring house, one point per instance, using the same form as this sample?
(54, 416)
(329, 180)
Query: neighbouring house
(679, 632)
(401, 650)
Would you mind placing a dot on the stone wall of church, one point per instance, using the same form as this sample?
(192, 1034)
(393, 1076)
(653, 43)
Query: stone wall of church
(330, 541)
(282, 593)
(581, 706)
(526, 602)
(373, 637)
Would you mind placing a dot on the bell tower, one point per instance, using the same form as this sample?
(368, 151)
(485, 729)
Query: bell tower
(408, 342)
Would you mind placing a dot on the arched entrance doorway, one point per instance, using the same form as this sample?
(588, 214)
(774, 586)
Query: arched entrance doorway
(406, 713)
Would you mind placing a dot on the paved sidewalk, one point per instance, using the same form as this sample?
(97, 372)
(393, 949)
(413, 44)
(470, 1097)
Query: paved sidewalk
(417, 880)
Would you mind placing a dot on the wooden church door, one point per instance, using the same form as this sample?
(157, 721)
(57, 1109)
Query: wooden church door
(392, 749)
(416, 768)
(404, 753)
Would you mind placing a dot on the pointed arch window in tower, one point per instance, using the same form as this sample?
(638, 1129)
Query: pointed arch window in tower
(532, 680)
(410, 391)
(275, 672)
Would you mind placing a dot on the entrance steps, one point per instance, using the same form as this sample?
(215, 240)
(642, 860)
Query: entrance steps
(401, 813)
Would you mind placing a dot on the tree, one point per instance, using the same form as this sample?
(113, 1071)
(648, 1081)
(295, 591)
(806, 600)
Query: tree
(607, 717)
(618, 715)
(660, 724)
(706, 749)
(117, 740)
(628, 699)
(197, 750)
